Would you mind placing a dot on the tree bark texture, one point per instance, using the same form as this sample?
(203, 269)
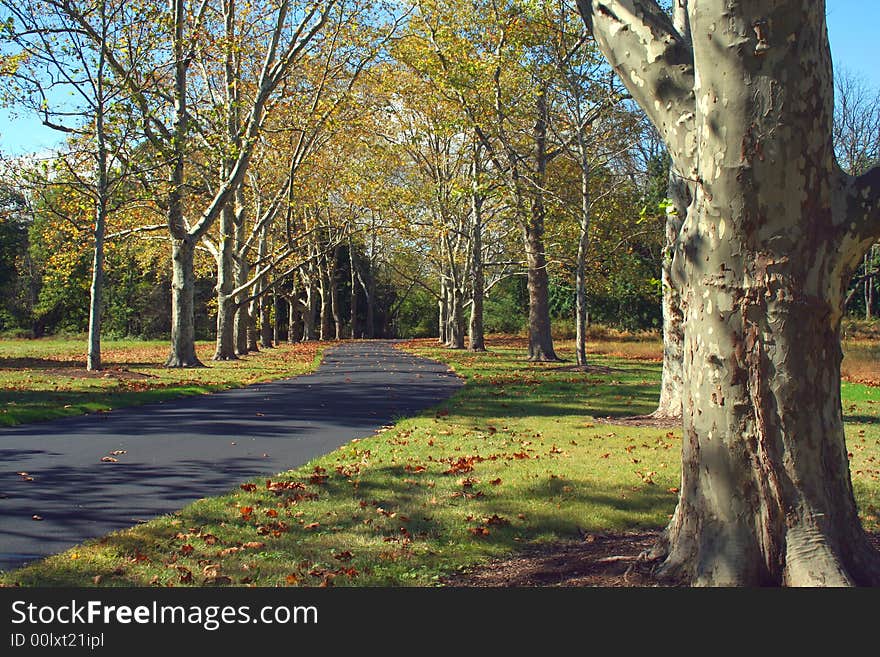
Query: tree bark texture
(183, 339)
(672, 379)
(540, 330)
(476, 333)
(772, 236)
(225, 348)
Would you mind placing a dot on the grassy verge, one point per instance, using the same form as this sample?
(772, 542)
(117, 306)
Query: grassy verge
(47, 379)
(515, 457)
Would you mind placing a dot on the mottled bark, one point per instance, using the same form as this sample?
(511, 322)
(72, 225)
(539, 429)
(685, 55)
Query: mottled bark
(242, 274)
(456, 318)
(770, 241)
(183, 339)
(225, 348)
(672, 379)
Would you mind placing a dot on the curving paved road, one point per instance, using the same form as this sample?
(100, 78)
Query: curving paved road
(182, 450)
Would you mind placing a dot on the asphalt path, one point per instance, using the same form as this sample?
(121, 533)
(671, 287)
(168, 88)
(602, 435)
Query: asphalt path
(182, 450)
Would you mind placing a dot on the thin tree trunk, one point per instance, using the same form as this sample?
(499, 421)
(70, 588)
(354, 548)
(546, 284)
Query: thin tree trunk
(253, 335)
(96, 290)
(456, 318)
(324, 291)
(333, 280)
(476, 338)
(583, 248)
(354, 295)
(308, 315)
(442, 316)
(277, 324)
(225, 349)
(242, 274)
(368, 287)
(96, 293)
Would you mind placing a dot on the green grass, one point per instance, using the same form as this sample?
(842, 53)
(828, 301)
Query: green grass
(46, 379)
(514, 458)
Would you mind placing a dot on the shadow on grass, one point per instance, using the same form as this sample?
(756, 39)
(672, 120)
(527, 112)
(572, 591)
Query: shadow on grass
(383, 522)
(600, 400)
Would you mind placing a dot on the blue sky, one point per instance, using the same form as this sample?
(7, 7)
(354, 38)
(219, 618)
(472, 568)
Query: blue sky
(852, 29)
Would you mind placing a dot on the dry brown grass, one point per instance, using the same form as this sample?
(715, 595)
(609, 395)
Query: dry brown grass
(861, 363)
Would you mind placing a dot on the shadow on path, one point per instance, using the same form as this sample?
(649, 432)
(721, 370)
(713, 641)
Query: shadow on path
(182, 450)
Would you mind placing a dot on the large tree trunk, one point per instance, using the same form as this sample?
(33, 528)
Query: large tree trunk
(476, 337)
(672, 379)
(183, 336)
(540, 336)
(252, 334)
(540, 330)
(771, 238)
(267, 333)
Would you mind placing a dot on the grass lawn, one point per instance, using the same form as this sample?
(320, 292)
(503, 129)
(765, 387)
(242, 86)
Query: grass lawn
(47, 379)
(514, 458)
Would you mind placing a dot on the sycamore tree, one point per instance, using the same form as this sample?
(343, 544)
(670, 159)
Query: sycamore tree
(774, 232)
(55, 67)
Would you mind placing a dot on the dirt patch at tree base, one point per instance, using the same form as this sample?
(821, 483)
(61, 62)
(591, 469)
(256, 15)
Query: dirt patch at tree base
(607, 560)
(70, 369)
(600, 560)
(642, 421)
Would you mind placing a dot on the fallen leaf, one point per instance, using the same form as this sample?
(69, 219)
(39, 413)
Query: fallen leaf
(312, 525)
(496, 482)
(248, 487)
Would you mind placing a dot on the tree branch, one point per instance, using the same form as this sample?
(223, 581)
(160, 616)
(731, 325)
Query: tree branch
(654, 61)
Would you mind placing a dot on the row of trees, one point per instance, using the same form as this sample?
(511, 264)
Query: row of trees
(330, 160)
(299, 151)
